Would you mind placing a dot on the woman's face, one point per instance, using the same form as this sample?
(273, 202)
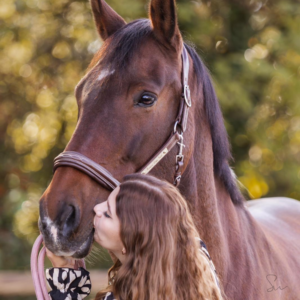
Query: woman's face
(107, 224)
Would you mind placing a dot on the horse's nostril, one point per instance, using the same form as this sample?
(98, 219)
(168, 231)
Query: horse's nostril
(71, 222)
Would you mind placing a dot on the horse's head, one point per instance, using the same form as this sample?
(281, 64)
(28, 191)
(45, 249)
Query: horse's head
(127, 102)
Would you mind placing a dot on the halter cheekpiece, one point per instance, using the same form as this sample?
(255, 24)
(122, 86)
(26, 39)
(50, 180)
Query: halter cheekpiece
(105, 178)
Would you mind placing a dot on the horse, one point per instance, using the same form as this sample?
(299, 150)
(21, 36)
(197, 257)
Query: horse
(127, 103)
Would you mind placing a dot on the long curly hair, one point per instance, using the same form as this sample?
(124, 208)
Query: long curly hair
(163, 260)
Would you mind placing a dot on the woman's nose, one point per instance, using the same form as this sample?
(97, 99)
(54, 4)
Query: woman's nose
(97, 210)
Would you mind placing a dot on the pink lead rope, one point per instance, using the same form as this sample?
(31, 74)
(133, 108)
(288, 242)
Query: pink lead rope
(37, 264)
(37, 261)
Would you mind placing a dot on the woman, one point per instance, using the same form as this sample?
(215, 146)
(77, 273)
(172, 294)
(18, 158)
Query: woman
(147, 226)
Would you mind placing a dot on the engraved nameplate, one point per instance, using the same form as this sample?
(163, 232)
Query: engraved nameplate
(155, 161)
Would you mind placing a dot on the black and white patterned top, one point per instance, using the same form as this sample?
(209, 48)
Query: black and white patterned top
(109, 296)
(70, 284)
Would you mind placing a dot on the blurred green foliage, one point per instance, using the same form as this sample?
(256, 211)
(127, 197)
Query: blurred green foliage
(252, 48)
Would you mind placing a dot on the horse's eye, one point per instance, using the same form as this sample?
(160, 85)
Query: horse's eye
(147, 100)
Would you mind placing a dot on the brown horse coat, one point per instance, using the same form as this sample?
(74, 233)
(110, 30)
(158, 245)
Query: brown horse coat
(255, 245)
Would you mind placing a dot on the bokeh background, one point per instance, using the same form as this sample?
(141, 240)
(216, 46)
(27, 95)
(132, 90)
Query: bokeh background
(252, 48)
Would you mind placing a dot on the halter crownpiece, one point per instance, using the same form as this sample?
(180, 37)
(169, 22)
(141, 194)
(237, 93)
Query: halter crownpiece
(105, 178)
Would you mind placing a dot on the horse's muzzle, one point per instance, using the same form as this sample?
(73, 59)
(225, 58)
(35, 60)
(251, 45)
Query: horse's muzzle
(63, 237)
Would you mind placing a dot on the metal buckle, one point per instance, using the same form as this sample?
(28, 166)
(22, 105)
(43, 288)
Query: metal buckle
(187, 95)
(180, 156)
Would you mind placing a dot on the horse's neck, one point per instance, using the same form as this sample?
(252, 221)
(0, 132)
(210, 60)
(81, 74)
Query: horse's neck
(220, 223)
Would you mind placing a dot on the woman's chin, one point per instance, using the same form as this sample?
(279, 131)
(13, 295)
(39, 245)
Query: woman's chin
(97, 240)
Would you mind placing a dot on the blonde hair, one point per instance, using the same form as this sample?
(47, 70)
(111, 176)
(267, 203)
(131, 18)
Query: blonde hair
(163, 259)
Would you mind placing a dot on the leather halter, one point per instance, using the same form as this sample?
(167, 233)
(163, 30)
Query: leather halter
(105, 178)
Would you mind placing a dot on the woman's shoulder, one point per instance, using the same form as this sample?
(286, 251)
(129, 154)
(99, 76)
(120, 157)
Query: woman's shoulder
(109, 296)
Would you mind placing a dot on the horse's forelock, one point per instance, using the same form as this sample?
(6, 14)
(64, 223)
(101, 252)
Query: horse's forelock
(118, 50)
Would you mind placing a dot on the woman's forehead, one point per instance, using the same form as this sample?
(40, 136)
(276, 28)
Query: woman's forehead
(113, 195)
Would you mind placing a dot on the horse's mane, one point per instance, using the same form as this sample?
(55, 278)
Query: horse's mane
(221, 146)
(123, 46)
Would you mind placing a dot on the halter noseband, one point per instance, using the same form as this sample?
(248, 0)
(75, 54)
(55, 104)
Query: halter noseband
(105, 178)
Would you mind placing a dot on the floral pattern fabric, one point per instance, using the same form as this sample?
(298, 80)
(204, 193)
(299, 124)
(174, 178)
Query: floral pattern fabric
(68, 284)
(109, 296)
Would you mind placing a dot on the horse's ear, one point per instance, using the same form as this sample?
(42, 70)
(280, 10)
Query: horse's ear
(106, 19)
(164, 22)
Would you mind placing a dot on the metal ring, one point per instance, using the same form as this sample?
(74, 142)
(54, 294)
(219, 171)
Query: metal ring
(177, 180)
(175, 126)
